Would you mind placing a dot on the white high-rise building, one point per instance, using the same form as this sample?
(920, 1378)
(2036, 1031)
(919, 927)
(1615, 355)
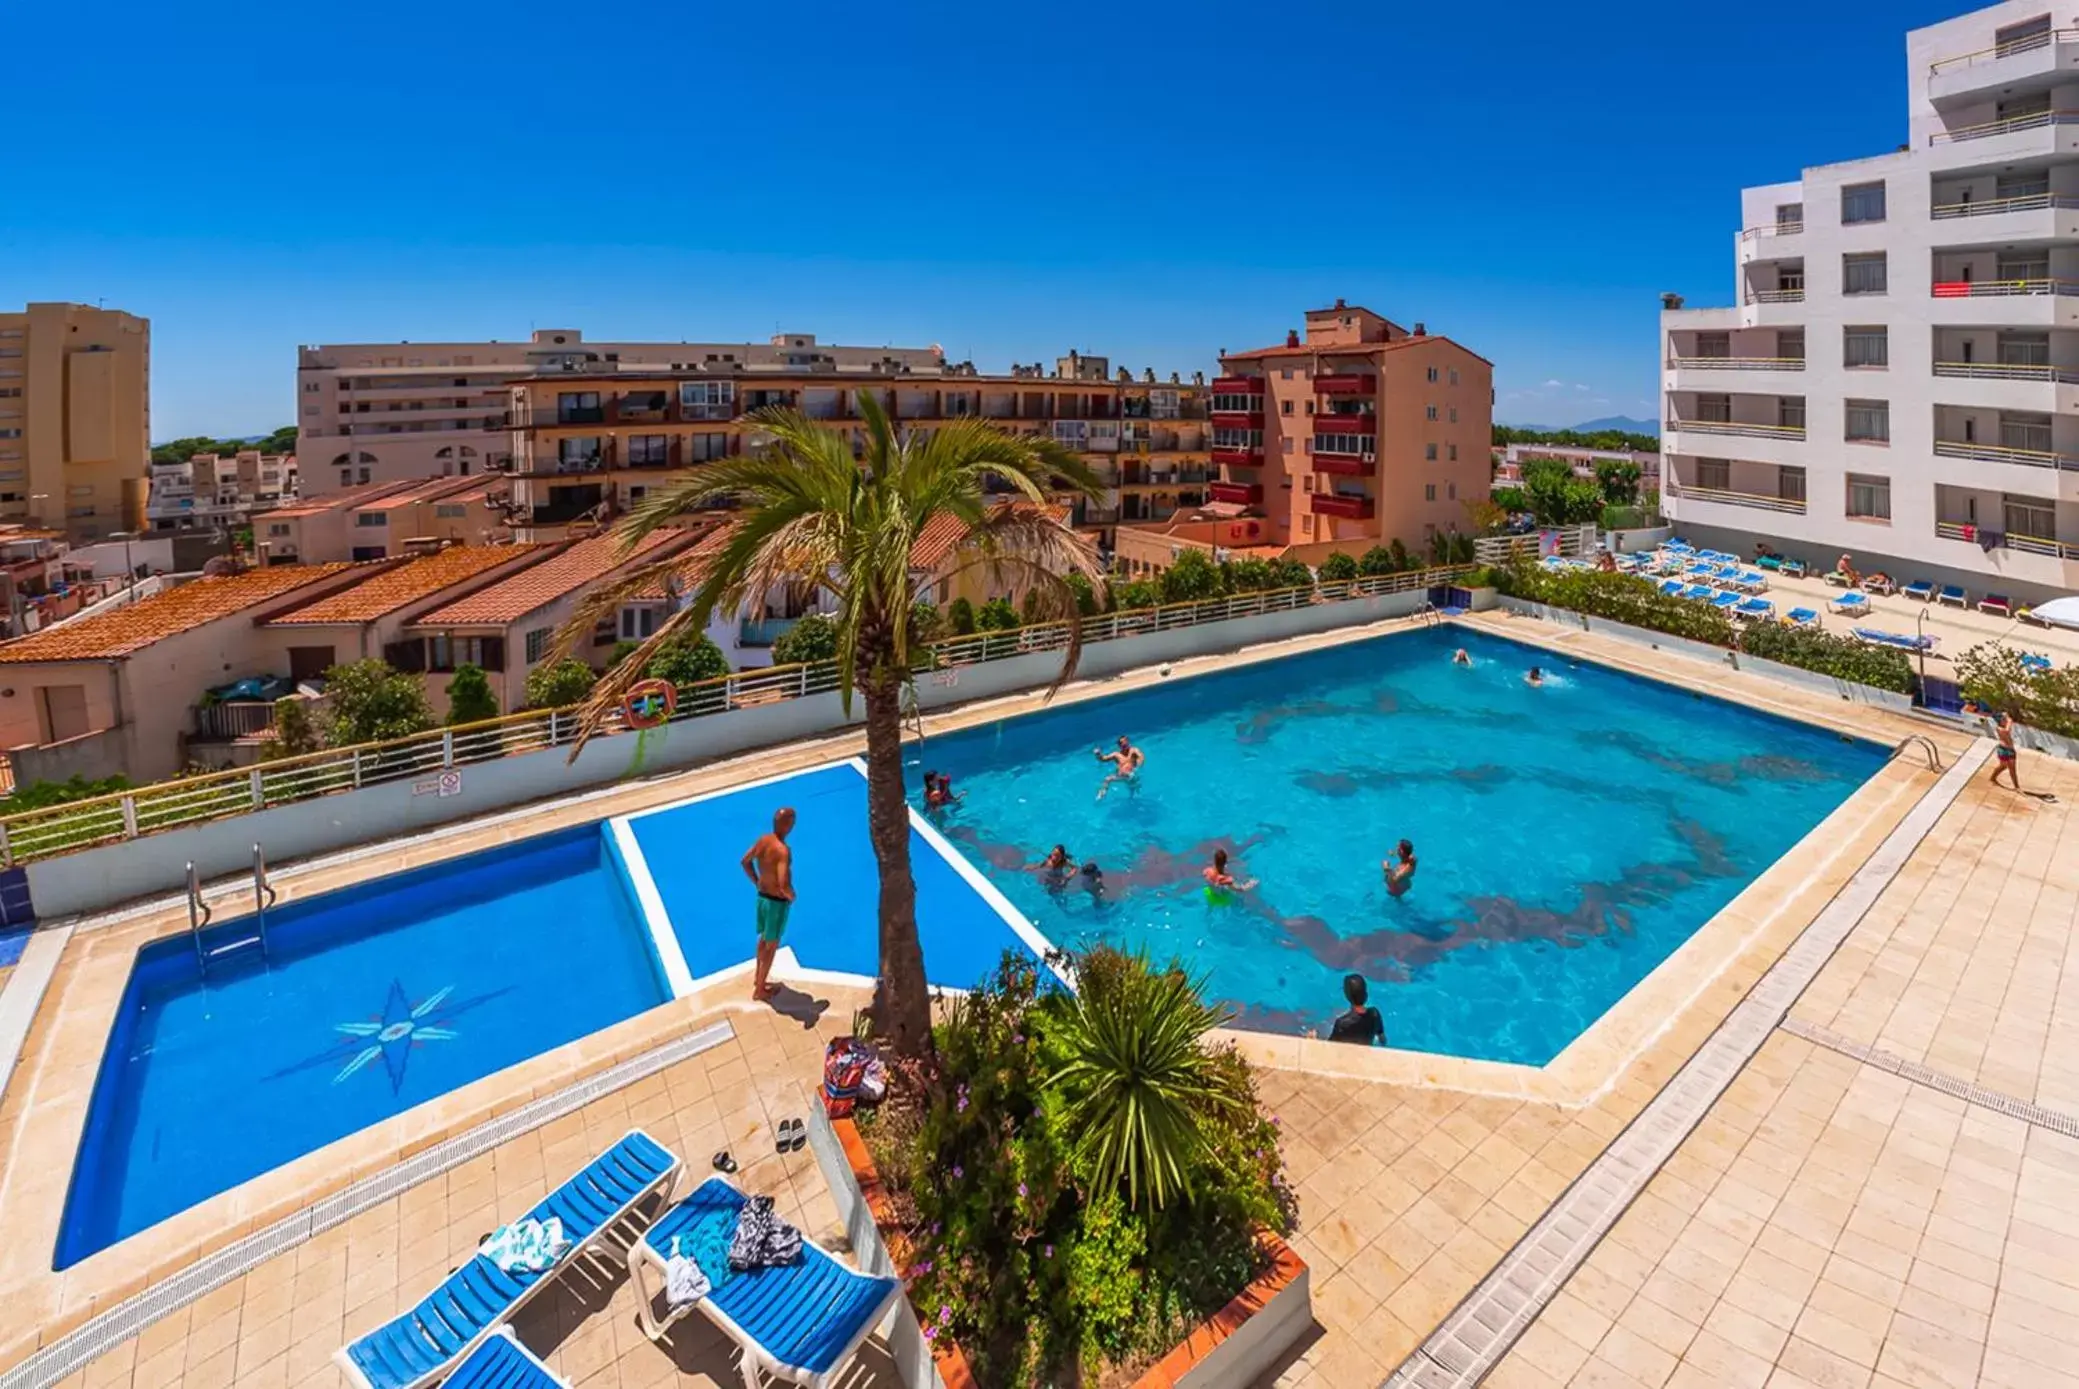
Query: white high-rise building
(1898, 378)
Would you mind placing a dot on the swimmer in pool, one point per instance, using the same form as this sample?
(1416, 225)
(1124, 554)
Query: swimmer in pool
(1461, 657)
(1400, 871)
(1220, 884)
(1093, 883)
(1126, 762)
(1536, 678)
(1057, 868)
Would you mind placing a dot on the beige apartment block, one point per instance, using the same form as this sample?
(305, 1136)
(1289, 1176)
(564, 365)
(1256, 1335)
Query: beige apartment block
(384, 520)
(389, 412)
(75, 418)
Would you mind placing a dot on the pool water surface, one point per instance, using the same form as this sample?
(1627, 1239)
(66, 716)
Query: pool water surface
(1568, 838)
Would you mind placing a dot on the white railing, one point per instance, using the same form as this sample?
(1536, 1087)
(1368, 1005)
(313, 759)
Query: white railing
(1688, 491)
(1992, 207)
(1771, 229)
(2040, 120)
(2030, 44)
(165, 805)
(1999, 453)
(1755, 431)
(2031, 544)
(1999, 289)
(1737, 363)
(2008, 371)
(1777, 296)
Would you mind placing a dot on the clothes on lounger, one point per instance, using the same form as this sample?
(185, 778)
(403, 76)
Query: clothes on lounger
(526, 1246)
(684, 1283)
(763, 1240)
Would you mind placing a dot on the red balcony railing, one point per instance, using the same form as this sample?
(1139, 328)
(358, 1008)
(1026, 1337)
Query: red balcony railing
(1350, 383)
(1238, 419)
(1352, 423)
(1341, 465)
(1354, 508)
(1229, 385)
(1241, 493)
(1243, 458)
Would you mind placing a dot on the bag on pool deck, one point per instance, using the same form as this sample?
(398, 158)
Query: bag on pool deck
(852, 1075)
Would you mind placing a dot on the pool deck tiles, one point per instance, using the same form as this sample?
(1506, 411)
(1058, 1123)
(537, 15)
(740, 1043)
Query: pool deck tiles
(1414, 1179)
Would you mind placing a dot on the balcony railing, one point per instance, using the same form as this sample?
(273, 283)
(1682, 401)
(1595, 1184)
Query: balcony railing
(1996, 453)
(1238, 419)
(1236, 385)
(1725, 496)
(1737, 363)
(1350, 465)
(1750, 431)
(1777, 296)
(1355, 422)
(2041, 120)
(224, 722)
(1240, 493)
(581, 414)
(2000, 289)
(2028, 544)
(1345, 383)
(2008, 371)
(1352, 508)
(2003, 50)
(1241, 457)
(1771, 229)
(1993, 207)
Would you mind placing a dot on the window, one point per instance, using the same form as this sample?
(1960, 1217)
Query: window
(447, 512)
(371, 518)
(2031, 517)
(1239, 403)
(637, 624)
(1714, 409)
(1454, 376)
(1429, 412)
(10, 392)
(1306, 524)
(2024, 350)
(1714, 346)
(1287, 442)
(1310, 407)
(1284, 407)
(1714, 473)
(1429, 491)
(1307, 482)
(577, 455)
(1790, 484)
(364, 476)
(648, 450)
(346, 477)
(1869, 421)
(1863, 274)
(1237, 440)
(1429, 453)
(1454, 453)
(1454, 414)
(10, 433)
(2029, 433)
(1790, 279)
(2023, 265)
(1790, 217)
(1869, 497)
(1866, 347)
(706, 448)
(538, 643)
(1432, 376)
(1790, 411)
(1790, 345)
(578, 407)
(1345, 443)
(2006, 186)
(1862, 202)
(2020, 38)
(1453, 490)
(277, 528)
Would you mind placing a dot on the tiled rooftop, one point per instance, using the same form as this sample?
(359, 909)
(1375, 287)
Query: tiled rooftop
(943, 533)
(137, 625)
(540, 584)
(1345, 349)
(399, 584)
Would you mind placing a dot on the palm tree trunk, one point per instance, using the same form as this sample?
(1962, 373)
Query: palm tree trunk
(902, 1012)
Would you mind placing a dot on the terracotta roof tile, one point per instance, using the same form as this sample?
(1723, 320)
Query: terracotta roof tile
(138, 625)
(1357, 349)
(399, 584)
(691, 566)
(543, 583)
(943, 533)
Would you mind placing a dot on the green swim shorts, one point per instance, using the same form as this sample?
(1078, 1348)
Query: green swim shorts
(772, 917)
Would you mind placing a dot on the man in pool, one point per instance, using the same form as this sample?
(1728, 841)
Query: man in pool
(1400, 872)
(769, 864)
(1126, 765)
(1362, 1023)
(1535, 679)
(1461, 657)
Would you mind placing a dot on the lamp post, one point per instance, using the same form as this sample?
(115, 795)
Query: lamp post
(129, 569)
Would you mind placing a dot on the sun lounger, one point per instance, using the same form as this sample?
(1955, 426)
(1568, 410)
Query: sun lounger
(2028, 614)
(1752, 580)
(1793, 569)
(1919, 588)
(1801, 617)
(1873, 637)
(1724, 599)
(1997, 604)
(501, 1362)
(800, 1322)
(1880, 583)
(2034, 663)
(471, 1303)
(1953, 595)
(1839, 579)
(1754, 608)
(1700, 593)
(1850, 602)
(1672, 587)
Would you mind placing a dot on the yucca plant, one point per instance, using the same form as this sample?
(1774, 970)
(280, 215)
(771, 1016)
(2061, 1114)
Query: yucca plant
(1136, 1080)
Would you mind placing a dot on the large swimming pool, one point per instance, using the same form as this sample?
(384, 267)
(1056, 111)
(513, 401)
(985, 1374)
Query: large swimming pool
(1568, 838)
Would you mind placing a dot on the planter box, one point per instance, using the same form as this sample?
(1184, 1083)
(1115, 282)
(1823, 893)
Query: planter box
(1230, 1350)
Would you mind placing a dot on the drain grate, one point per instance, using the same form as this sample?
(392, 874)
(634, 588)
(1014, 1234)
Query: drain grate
(2057, 1121)
(104, 1333)
(1481, 1329)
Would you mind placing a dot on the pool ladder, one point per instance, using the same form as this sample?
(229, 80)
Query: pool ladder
(1926, 747)
(199, 913)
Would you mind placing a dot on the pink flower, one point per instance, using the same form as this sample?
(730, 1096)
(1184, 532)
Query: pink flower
(1021, 1188)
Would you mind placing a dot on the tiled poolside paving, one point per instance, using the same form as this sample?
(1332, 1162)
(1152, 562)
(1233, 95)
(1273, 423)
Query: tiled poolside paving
(1828, 1208)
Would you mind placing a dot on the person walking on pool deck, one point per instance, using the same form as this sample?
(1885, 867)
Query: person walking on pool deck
(2003, 759)
(1362, 1023)
(769, 864)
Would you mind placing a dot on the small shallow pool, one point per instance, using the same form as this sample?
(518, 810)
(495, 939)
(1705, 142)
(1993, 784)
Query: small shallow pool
(1568, 838)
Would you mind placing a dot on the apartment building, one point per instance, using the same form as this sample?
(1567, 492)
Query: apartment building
(390, 412)
(587, 446)
(1898, 375)
(1509, 461)
(75, 418)
(384, 520)
(1355, 431)
(208, 491)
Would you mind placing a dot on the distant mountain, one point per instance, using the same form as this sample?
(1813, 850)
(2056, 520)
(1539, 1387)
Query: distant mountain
(1623, 422)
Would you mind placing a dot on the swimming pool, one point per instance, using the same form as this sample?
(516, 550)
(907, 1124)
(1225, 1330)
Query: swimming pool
(1569, 838)
(370, 1000)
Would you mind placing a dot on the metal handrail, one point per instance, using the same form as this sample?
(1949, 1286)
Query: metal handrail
(1995, 289)
(2004, 50)
(2008, 540)
(2027, 202)
(1926, 745)
(1738, 363)
(1777, 296)
(1729, 497)
(198, 916)
(59, 829)
(2008, 371)
(1998, 453)
(2039, 120)
(1759, 431)
(264, 895)
(1771, 229)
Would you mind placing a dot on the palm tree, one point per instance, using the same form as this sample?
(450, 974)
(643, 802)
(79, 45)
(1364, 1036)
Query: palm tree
(809, 514)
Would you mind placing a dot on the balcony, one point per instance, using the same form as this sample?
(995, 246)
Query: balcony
(1355, 422)
(1235, 385)
(1737, 363)
(581, 414)
(2008, 371)
(1347, 383)
(1723, 496)
(1345, 445)
(2041, 120)
(1995, 453)
(2032, 58)
(1350, 465)
(1994, 207)
(1351, 508)
(1239, 419)
(1251, 457)
(2027, 544)
(1735, 427)
(2001, 289)
(1776, 296)
(1239, 493)
(1776, 229)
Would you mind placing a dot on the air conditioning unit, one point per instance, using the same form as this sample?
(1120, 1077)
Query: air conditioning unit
(1370, 457)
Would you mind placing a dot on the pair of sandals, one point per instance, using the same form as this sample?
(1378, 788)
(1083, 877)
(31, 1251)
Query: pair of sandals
(790, 1137)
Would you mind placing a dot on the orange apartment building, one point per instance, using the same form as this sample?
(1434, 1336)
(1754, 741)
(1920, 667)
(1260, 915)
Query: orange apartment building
(587, 446)
(1356, 432)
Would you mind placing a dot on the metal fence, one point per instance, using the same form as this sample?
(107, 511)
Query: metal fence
(59, 829)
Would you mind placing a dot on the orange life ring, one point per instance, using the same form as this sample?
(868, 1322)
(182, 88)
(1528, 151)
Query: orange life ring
(649, 703)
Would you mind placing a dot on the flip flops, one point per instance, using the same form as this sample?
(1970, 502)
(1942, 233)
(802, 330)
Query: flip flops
(791, 1137)
(724, 1162)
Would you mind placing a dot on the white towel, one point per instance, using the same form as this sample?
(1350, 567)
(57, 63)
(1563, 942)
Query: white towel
(684, 1283)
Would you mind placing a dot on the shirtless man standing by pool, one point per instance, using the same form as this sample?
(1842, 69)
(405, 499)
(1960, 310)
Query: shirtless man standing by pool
(769, 864)
(1126, 765)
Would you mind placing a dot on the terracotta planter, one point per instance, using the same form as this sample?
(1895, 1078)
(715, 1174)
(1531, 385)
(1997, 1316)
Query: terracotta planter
(1232, 1348)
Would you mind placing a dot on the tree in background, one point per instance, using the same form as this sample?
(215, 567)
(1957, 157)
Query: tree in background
(690, 660)
(1557, 497)
(469, 696)
(282, 440)
(1190, 578)
(1397, 551)
(558, 684)
(813, 638)
(1510, 500)
(1086, 595)
(1128, 594)
(997, 615)
(1608, 440)
(961, 614)
(371, 703)
(1250, 575)
(1619, 479)
(1378, 560)
(927, 623)
(1339, 566)
(295, 731)
(1485, 516)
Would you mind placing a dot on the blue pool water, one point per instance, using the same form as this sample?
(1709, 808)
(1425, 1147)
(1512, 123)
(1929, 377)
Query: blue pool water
(693, 852)
(371, 1000)
(1569, 838)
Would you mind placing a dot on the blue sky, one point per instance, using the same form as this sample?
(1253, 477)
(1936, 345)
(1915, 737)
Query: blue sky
(1150, 183)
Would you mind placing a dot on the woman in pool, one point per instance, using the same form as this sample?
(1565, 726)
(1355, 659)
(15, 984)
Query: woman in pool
(1400, 872)
(1461, 657)
(1221, 886)
(1057, 868)
(1535, 679)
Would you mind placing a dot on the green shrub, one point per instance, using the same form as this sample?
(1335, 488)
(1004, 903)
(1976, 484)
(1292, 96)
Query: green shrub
(811, 638)
(961, 614)
(469, 696)
(371, 703)
(997, 615)
(927, 623)
(622, 650)
(559, 683)
(1402, 561)
(1380, 560)
(689, 659)
(1338, 566)
(1510, 499)
(1844, 658)
(1993, 677)
(1190, 578)
(1622, 598)
(1086, 595)
(1250, 575)
(1290, 573)
(39, 794)
(1135, 593)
